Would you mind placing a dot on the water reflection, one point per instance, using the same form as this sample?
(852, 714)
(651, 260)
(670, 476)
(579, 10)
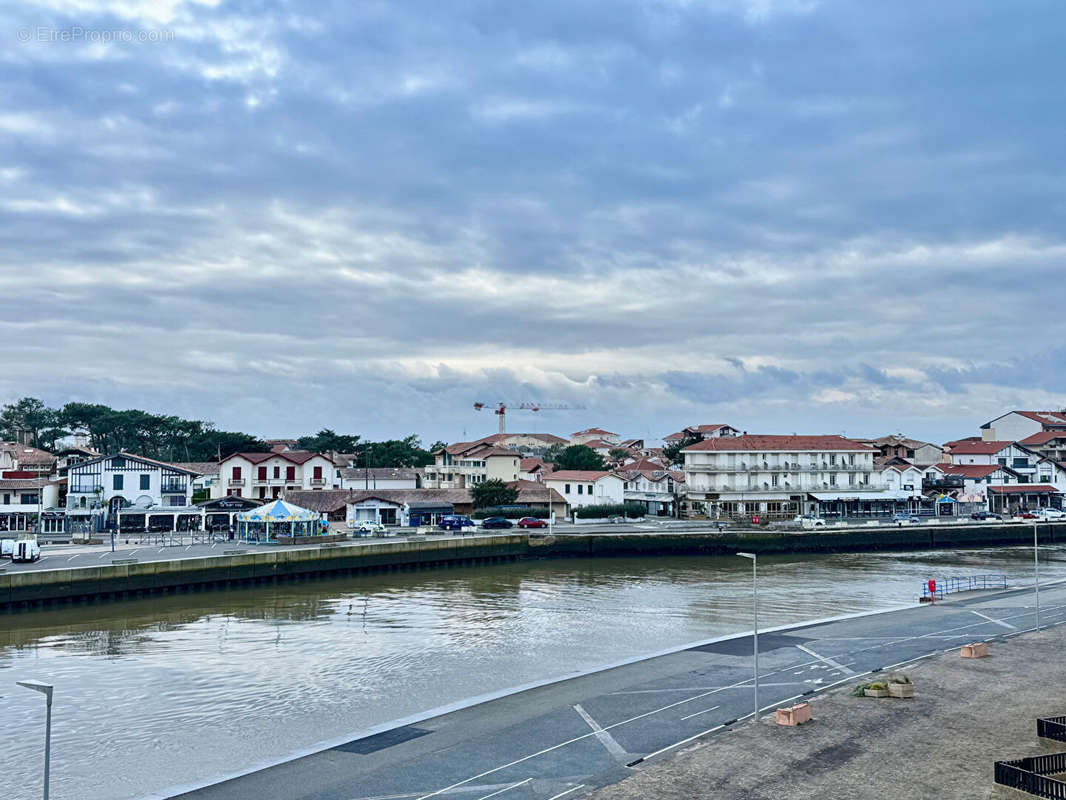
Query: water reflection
(162, 691)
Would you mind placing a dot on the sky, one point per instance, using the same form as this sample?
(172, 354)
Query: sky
(808, 216)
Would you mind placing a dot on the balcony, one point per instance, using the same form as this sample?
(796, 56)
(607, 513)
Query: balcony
(85, 488)
(174, 488)
(947, 482)
(318, 481)
(236, 481)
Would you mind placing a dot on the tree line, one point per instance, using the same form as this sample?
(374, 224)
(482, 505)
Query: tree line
(171, 438)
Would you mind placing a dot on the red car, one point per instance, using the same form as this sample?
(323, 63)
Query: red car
(532, 522)
(1026, 515)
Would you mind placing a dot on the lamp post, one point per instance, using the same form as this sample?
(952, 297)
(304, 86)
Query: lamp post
(46, 690)
(755, 630)
(1036, 573)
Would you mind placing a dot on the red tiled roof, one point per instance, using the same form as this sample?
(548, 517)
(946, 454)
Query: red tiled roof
(955, 442)
(528, 464)
(972, 471)
(295, 456)
(978, 448)
(801, 444)
(597, 431)
(1045, 417)
(1043, 437)
(642, 464)
(1025, 488)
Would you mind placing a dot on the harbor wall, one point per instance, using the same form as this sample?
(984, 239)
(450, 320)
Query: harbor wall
(28, 589)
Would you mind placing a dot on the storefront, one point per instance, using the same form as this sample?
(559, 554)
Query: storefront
(220, 514)
(851, 505)
(427, 513)
(1023, 497)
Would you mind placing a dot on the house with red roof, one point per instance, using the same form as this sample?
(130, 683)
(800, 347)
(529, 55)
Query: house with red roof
(700, 432)
(1017, 425)
(778, 477)
(594, 435)
(463, 465)
(266, 476)
(587, 487)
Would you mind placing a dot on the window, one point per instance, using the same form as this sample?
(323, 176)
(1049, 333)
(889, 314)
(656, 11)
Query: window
(277, 472)
(262, 473)
(236, 473)
(318, 473)
(7, 499)
(580, 488)
(773, 479)
(118, 463)
(833, 459)
(1002, 461)
(566, 489)
(146, 482)
(29, 499)
(1021, 462)
(290, 473)
(832, 479)
(116, 483)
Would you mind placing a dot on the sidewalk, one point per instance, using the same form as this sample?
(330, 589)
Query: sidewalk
(966, 714)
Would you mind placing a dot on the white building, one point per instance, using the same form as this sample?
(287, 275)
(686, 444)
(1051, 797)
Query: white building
(781, 476)
(587, 487)
(1004, 453)
(98, 489)
(265, 476)
(1017, 425)
(466, 464)
(656, 489)
(593, 434)
(22, 498)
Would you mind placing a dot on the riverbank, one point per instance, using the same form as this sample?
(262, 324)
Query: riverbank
(26, 588)
(966, 714)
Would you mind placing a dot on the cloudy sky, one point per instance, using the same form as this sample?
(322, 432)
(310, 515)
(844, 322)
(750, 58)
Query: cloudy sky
(788, 215)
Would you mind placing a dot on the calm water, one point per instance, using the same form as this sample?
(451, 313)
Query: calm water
(163, 692)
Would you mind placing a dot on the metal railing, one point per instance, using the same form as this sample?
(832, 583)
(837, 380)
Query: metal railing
(968, 583)
(1031, 775)
(1052, 728)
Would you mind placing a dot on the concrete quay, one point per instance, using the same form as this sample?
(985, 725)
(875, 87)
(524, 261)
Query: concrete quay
(144, 570)
(624, 726)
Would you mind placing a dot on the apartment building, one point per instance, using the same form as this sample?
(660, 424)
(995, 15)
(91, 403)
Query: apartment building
(587, 487)
(781, 476)
(464, 465)
(266, 476)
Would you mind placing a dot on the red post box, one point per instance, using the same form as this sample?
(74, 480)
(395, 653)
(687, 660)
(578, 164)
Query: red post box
(932, 590)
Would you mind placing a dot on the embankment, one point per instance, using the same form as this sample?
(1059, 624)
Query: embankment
(28, 589)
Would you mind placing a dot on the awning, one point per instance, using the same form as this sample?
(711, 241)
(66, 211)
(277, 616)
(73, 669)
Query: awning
(1025, 488)
(431, 508)
(862, 496)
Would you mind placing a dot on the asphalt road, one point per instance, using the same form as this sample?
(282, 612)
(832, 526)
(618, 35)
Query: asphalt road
(564, 739)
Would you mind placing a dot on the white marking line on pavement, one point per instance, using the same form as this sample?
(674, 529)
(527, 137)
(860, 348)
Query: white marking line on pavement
(568, 791)
(690, 716)
(706, 688)
(834, 664)
(71, 558)
(103, 555)
(134, 552)
(608, 741)
(575, 739)
(993, 619)
(509, 788)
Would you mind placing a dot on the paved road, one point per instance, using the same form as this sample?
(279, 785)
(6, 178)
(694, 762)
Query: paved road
(66, 556)
(564, 739)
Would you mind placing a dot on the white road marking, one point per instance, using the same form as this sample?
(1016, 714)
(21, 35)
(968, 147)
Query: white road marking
(829, 661)
(568, 791)
(507, 789)
(993, 619)
(690, 716)
(609, 742)
(706, 688)
(575, 739)
(104, 555)
(71, 558)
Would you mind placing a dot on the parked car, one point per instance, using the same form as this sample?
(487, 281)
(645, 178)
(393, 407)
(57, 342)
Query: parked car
(983, 515)
(7, 548)
(532, 522)
(455, 522)
(496, 522)
(1025, 515)
(26, 550)
(372, 527)
(1050, 513)
(808, 521)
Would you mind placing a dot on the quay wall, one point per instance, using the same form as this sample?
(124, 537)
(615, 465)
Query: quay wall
(29, 589)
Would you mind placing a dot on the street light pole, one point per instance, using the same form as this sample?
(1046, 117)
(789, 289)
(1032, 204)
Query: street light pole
(46, 690)
(1036, 573)
(755, 629)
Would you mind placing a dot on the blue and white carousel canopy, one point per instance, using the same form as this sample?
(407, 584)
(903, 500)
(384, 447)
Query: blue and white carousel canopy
(277, 511)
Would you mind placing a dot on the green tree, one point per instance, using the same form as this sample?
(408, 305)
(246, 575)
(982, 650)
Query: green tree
(326, 440)
(672, 452)
(618, 454)
(406, 452)
(579, 456)
(26, 417)
(490, 494)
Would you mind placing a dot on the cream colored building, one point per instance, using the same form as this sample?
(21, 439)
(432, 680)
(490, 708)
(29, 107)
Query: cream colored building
(466, 464)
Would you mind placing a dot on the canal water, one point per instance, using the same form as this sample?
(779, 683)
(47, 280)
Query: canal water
(165, 692)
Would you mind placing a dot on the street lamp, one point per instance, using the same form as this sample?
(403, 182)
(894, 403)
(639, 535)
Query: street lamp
(46, 690)
(1036, 572)
(755, 613)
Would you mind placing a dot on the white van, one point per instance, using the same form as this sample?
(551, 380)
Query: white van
(7, 548)
(26, 550)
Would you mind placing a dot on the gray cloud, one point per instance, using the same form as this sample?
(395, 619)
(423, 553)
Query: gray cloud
(779, 214)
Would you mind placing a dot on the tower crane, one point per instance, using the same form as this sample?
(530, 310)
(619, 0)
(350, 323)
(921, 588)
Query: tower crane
(500, 409)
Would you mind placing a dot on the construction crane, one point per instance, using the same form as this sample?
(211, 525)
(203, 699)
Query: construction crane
(500, 409)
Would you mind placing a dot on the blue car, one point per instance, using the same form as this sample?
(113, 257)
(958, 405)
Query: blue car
(455, 523)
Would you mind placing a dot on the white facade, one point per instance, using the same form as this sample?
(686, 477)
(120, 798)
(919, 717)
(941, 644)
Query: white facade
(465, 465)
(124, 479)
(264, 476)
(656, 490)
(1015, 425)
(1006, 454)
(584, 488)
(592, 434)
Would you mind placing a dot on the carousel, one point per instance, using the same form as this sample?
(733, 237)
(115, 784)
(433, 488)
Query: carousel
(263, 525)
